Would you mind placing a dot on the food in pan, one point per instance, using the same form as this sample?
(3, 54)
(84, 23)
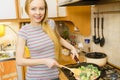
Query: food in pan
(88, 72)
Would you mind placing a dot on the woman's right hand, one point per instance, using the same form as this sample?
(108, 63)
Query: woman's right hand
(51, 62)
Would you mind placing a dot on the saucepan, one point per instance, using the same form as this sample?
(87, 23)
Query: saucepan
(98, 58)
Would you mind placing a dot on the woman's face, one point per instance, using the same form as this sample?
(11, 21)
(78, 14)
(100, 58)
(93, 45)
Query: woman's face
(37, 11)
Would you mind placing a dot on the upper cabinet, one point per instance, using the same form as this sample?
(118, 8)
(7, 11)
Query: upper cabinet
(22, 12)
(8, 9)
(62, 12)
(53, 9)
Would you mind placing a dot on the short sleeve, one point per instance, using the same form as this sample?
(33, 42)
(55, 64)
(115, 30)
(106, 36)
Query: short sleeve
(51, 23)
(23, 32)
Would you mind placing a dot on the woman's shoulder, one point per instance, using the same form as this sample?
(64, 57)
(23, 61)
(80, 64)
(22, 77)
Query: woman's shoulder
(25, 26)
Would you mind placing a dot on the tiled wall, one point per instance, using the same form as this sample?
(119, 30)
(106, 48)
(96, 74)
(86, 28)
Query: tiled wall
(111, 31)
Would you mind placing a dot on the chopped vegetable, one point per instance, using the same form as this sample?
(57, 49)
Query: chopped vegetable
(88, 72)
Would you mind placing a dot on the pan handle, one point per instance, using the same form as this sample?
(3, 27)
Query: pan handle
(76, 59)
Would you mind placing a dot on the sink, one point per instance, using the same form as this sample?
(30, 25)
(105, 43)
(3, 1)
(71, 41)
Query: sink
(7, 54)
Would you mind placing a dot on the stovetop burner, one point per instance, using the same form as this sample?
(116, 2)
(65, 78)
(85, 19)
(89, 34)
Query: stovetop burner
(108, 73)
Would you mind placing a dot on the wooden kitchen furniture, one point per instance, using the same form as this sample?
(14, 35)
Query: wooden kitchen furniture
(8, 70)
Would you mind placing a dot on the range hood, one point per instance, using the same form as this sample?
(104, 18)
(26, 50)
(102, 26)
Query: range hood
(84, 2)
(77, 2)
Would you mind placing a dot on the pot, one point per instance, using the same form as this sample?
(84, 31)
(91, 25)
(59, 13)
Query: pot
(98, 58)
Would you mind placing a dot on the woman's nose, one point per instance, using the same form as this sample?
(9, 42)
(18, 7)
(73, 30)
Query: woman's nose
(38, 11)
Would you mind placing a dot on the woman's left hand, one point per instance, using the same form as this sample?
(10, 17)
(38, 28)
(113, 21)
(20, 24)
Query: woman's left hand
(74, 53)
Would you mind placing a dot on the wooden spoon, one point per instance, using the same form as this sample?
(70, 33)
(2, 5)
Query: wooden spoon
(76, 71)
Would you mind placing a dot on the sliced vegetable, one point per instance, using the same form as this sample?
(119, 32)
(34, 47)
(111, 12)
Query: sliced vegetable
(88, 72)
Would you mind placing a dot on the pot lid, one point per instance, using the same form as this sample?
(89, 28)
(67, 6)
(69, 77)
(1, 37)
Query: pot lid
(96, 55)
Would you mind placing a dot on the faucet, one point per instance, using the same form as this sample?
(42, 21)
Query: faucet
(2, 47)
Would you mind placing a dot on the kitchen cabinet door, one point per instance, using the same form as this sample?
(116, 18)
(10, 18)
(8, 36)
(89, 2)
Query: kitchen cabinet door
(7, 9)
(52, 8)
(8, 70)
(62, 12)
(23, 14)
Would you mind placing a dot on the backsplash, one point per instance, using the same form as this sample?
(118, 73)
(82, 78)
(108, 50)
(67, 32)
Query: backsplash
(111, 14)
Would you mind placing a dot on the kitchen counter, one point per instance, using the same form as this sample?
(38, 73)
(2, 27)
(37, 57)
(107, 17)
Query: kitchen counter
(6, 59)
(8, 70)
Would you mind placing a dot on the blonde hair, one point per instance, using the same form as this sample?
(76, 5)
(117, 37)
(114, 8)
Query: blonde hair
(46, 27)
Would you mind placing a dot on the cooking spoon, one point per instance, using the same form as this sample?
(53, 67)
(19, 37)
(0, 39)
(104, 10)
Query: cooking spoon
(74, 71)
(94, 37)
(102, 41)
(97, 41)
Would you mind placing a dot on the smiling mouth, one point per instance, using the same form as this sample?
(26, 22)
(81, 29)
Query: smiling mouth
(38, 17)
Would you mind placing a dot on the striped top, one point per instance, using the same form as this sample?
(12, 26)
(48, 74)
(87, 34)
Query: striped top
(40, 46)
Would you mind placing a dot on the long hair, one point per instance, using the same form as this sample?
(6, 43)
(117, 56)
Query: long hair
(46, 27)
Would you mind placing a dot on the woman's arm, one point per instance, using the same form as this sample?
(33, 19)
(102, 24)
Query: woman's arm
(66, 44)
(69, 46)
(30, 62)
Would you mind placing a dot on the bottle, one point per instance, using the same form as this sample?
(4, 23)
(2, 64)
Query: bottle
(87, 45)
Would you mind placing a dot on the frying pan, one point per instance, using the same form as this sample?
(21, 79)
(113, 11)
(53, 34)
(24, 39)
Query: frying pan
(79, 64)
(71, 74)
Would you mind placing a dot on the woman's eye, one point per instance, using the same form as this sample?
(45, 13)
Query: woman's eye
(42, 8)
(32, 8)
(38, 8)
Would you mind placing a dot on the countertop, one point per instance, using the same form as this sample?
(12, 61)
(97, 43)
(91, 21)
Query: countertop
(6, 59)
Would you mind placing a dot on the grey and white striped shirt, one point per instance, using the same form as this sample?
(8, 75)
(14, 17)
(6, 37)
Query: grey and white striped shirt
(40, 46)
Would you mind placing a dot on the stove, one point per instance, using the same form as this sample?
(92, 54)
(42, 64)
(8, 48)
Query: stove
(108, 72)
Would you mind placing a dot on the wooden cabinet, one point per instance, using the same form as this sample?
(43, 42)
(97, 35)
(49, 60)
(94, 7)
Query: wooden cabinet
(53, 9)
(8, 70)
(22, 12)
(7, 9)
(14, 10)
(62, 12)
(80, 17)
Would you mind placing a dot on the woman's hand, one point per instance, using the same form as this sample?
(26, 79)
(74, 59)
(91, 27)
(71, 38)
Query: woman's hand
(74, 53)
(51, 62)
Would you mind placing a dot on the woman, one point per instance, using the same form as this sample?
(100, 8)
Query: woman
(42, 42)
